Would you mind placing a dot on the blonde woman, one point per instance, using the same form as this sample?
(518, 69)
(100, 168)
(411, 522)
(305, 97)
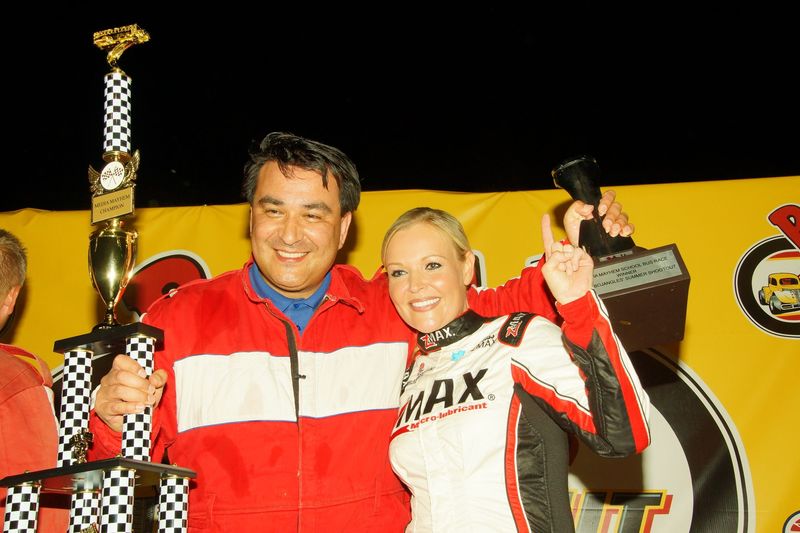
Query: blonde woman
(469, 440)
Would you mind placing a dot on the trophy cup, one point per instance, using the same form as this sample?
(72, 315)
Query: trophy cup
(112, 248)
(103, 491)
(645, 291)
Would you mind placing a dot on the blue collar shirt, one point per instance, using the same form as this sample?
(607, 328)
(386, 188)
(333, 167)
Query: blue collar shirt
(299, 310)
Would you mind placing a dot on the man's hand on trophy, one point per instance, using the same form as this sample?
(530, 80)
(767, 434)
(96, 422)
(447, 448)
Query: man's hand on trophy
(615, 221)
(126, 390)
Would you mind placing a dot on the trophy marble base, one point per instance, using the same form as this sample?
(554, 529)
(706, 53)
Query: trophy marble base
(646, 293)
(104, 495)
(89, 476)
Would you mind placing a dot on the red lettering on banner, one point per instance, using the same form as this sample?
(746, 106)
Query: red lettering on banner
(787, 219)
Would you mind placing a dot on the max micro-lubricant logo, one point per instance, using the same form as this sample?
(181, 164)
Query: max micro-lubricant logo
(444, 392)
(767, 277)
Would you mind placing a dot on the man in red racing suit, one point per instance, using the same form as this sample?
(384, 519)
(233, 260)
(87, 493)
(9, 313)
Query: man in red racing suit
(287, 431)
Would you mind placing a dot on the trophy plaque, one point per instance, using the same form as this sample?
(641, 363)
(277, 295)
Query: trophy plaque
(103, 491)
(645, 291)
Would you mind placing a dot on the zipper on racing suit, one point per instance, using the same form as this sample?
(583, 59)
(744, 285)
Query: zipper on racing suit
(294, 369)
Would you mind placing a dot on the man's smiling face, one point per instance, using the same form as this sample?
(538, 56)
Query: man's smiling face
(296, 229)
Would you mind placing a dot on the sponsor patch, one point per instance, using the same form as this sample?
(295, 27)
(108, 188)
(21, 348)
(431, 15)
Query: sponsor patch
(513, 330)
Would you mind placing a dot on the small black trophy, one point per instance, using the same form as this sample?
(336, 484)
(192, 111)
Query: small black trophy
(645, 291)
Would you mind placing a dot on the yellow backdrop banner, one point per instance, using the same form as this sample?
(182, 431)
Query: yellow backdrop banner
(738, 362)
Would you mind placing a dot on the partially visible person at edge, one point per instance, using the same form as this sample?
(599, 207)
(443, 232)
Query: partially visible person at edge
(283, 378)
(470, 440)
(28, 425)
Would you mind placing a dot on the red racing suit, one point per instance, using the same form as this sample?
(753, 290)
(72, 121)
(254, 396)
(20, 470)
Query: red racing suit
(464, 442)
(289, 432)
(29, 430)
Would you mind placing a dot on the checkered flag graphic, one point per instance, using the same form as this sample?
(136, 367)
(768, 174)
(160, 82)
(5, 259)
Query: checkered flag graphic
(84, 511)
(173, 504)
(22, 507)
(76, 390)
(136, 427)
(116, 506)
(117, 133)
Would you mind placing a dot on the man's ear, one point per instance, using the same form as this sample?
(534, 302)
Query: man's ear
(8, 302)
(347, 218)
(10, 299)
(469, 267)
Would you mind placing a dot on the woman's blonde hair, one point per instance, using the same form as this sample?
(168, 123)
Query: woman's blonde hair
(442, 220)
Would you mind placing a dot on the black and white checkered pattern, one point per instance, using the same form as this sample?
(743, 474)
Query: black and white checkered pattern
(173, 504)
(140, 348)
(117, 133)
(84, 511)
(136, 427)
(22, 508)
(76, 390)
(116, 506)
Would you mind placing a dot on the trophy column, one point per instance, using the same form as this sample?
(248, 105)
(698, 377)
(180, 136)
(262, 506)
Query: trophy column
(117, 132)
(118, 483)
(116, 511)
(76, 387)
(22, 508)
(84, 511)
(173, 504)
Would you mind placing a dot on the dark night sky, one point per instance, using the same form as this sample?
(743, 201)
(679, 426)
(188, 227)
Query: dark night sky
(483, 99)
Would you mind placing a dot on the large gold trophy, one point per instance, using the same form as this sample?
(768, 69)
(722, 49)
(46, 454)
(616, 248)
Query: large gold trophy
(103, 492)
(112, 248)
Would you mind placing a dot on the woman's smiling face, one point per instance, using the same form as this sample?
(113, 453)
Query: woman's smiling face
(427, 277)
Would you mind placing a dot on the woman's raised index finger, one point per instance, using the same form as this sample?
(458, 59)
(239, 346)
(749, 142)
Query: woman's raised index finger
(547, 235)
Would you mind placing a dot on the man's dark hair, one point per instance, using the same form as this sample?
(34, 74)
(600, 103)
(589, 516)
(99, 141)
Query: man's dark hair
(292, 151)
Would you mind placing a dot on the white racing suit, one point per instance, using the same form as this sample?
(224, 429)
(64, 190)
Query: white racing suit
(474, 438)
